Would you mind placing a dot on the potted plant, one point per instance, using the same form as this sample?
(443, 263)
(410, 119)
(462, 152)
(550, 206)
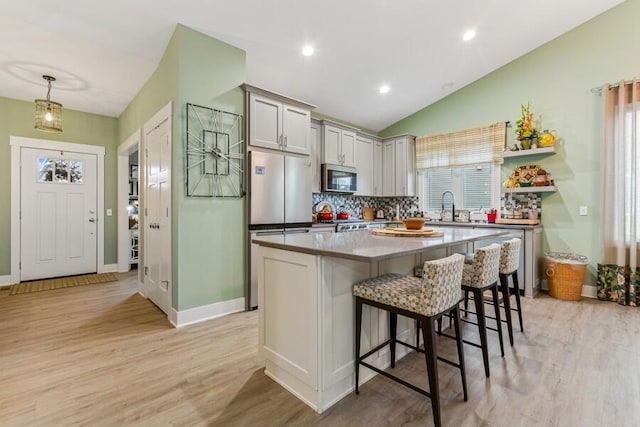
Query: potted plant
(525, 132)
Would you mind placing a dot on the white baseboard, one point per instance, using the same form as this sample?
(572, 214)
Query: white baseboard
(206, 312)
(590, 291)
(110, 268)
(5, 281)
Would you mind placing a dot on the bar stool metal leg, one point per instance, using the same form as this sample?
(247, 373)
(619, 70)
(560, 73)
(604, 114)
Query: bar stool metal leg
(456, 324)
(482, 328)
(356, 359)
(393, 327)
(496, 307)
(430, 354)
(506, 300)
(516, 287)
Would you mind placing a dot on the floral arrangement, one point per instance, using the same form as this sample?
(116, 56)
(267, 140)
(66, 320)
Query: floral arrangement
(524, 125)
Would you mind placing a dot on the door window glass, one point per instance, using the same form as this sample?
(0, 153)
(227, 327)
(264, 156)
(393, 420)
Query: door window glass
(60, 170)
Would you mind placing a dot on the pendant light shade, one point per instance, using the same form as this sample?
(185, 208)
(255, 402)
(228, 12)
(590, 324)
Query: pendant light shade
(48, 112)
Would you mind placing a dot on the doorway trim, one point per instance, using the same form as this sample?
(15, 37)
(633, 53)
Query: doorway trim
(16, 143)
(124, 150)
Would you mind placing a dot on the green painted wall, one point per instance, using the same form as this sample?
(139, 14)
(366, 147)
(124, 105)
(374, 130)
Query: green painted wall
(210, 231)
(557, 79)
(16, 119)
(208, 234)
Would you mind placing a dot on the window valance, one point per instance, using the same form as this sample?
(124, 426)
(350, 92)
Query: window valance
(483, 144)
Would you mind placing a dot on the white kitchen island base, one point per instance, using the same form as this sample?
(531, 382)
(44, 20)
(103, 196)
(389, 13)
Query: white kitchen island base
(306, 312)
(306, 307)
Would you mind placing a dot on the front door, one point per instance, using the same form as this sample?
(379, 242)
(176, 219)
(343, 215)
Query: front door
(157, 256)
(58, 227)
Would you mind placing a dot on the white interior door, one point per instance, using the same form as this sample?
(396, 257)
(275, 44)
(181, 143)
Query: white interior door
(58, 211)
(157, 257)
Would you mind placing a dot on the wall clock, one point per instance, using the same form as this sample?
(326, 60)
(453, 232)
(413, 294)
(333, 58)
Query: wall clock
(214, 153)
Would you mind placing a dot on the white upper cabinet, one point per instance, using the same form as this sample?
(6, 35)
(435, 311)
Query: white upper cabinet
(365, 166)
(389, 168)
(315, 157)
(399, 167)
(338, 146)
(278, 124)
(377, 168)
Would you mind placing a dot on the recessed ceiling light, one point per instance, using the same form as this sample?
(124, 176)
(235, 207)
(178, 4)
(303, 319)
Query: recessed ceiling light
(384, 89)
(447, 86)
(468, 35)
(308, 50)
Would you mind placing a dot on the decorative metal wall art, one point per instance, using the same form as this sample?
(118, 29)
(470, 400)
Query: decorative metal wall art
(215, 153)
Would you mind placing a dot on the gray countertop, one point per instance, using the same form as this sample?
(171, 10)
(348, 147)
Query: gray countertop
(364, 246)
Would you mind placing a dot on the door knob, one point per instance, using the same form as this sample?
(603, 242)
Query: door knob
(92, 220)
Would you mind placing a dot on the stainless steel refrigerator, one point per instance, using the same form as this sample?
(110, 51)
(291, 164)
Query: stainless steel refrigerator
(279, 203)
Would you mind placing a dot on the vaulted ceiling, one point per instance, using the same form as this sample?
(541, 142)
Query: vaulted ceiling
(103, 52)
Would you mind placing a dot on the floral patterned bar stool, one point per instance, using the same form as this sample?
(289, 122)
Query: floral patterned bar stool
(425, 300)
(509, 260)
(480, 275)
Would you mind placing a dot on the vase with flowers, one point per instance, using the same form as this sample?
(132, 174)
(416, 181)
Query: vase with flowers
(525, 132)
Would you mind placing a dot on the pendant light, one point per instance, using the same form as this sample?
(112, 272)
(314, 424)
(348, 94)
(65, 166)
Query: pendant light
(48, 112)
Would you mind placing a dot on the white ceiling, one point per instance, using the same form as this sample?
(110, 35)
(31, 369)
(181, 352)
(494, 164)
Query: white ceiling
(103, 52)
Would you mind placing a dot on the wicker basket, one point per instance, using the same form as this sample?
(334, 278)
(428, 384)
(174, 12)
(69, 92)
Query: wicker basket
(566, 275)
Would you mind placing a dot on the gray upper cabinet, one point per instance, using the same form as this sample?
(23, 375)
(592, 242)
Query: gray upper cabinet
(399, 166)
(338, 145)
(365, 166)
(278, 123)
(377, 168)
(316, 151)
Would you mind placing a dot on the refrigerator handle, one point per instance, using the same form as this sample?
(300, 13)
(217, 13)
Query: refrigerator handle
(296, 231)
(268, 233)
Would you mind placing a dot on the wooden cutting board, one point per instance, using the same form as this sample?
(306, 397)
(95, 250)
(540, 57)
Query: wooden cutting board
(403, 232)
(517, 221)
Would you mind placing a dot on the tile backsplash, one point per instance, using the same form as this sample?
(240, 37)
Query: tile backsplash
(524, 202)
(353, 204)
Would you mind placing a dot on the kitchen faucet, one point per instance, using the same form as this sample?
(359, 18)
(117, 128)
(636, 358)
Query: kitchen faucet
(453, 204)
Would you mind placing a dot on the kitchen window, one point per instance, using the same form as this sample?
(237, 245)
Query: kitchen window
(473, 187)
(465, 162)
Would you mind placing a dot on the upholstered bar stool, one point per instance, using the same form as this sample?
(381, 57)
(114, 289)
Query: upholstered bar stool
(425, 300)
(479, 275)
(509, 260)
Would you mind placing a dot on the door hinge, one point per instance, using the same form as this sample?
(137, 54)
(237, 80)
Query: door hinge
(146, 270)
(167, 212)
(145, 211)
(20, 265)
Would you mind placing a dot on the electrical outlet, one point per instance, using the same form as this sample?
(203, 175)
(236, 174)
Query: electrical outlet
(584, 211)
(109, 212)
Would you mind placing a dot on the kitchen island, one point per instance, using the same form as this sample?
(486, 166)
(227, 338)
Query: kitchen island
(306, 309)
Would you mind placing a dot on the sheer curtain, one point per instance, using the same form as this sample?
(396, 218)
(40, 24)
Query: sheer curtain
(620, 177)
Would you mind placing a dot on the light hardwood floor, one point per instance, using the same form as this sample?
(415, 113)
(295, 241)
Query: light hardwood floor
(101, 355)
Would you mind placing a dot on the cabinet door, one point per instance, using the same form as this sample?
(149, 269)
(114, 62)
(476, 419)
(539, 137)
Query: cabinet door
(401, 167)
(265, 124)
(331, 145)
(315, 151)
(389, 168)
(348, 148)
(364, 165)
(411, 167)
(377, 168)
(295, 125)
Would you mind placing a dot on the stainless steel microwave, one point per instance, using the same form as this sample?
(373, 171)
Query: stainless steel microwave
(339, 179)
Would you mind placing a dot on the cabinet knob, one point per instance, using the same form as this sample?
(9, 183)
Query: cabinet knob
(285, 140)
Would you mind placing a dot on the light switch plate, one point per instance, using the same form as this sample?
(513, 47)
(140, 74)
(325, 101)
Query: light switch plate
(109, 212)
(583, 211)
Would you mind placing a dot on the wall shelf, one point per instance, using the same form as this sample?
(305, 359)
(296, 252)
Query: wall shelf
(533, 189)
(530, 152)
